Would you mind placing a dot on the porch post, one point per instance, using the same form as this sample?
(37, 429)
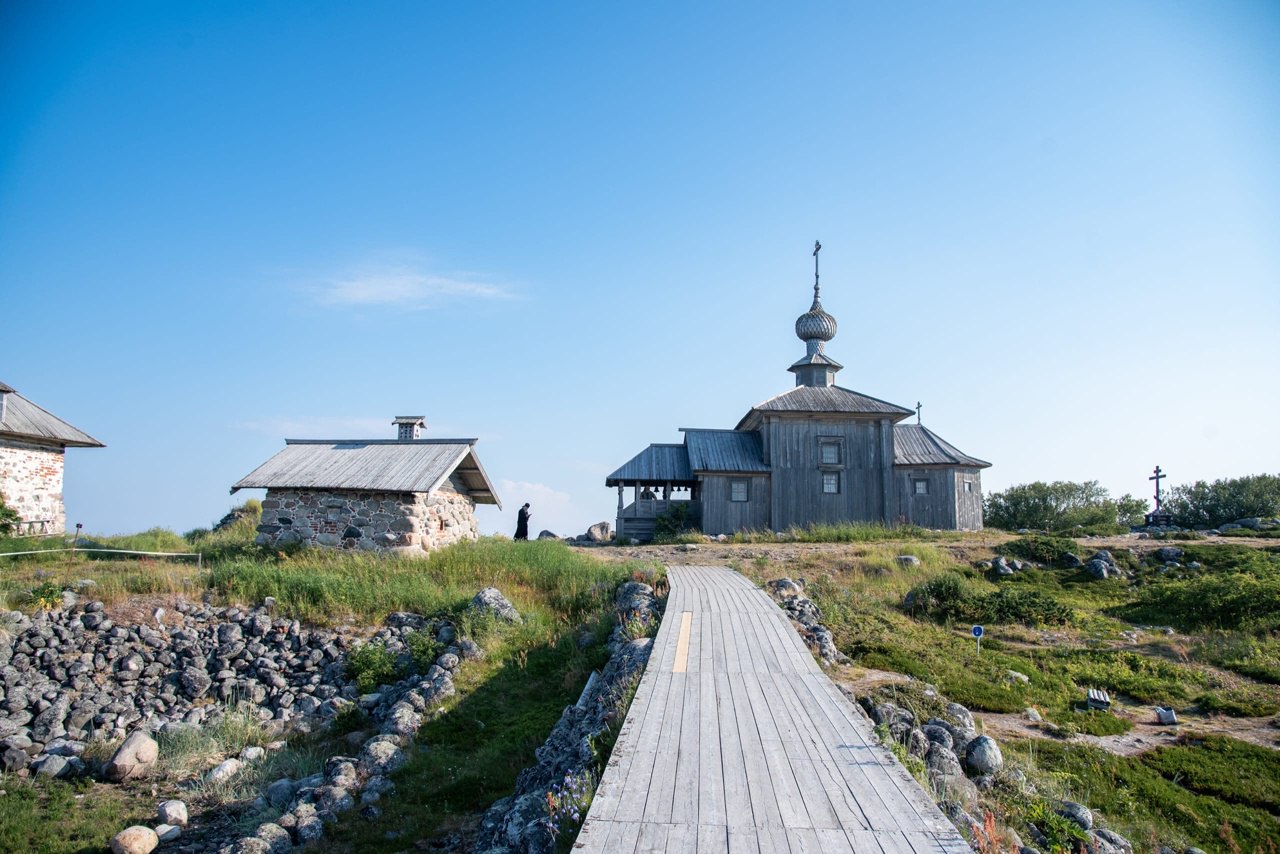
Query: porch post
(619, 499)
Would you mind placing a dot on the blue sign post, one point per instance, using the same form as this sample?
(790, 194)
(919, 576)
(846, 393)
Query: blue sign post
(977, 634)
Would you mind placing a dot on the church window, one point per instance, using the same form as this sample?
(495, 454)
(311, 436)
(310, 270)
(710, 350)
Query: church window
(920, 487)
(831, 482)
(829, 452)
(738, 490)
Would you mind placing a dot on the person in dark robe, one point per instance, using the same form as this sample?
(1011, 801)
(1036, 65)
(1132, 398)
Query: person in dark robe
(522, 522)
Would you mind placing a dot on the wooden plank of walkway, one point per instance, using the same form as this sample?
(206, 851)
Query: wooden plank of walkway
(736, 741)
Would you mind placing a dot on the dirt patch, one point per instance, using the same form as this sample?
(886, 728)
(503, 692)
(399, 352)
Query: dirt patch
(1146, 734)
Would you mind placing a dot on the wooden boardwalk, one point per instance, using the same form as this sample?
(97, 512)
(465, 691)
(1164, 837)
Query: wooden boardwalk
(738, 742)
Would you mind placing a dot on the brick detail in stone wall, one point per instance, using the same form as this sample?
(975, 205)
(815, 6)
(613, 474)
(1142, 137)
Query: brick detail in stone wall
(31, 482)
(405, 522)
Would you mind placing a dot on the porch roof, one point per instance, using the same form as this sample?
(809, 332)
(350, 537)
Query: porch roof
(655, 465)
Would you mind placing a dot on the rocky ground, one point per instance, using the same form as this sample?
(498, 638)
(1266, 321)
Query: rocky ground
(76, 677)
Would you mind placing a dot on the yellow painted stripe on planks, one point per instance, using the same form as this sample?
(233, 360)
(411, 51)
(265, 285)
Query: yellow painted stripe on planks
(682, 643)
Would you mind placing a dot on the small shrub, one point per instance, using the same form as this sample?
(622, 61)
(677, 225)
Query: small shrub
(371, 665)
(9, 519)
(1062, 835)
(672, 524)
(950, 597)
(47, 596)
(1039, 548)
(424, 649)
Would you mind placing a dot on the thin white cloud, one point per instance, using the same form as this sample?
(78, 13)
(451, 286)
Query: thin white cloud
(406, 286)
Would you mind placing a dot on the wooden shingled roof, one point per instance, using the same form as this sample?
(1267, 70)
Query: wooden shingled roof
(376, 465)
(916, 445)
(822, 399)
(22, 419)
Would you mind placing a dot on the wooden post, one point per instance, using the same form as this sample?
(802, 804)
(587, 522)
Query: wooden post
(619, 498)
(666, 492)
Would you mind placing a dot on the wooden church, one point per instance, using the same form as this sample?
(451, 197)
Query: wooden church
(817, 454)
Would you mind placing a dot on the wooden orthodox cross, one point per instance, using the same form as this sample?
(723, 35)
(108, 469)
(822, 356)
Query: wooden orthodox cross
(1157, 477)
(817, 247)
(919, 406)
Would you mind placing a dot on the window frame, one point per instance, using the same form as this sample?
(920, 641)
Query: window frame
(836, 478)
(916, 483)
(745, 484)
(836, 444)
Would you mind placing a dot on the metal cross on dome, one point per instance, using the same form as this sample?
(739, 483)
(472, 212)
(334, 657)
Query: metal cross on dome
(817, 247)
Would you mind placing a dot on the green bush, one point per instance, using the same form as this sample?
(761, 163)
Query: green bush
(670, 525)
(424, 648)
(1059, 506)
(950, 597)
(1039, 548)
(1208, 505)
(9, 519)
(371, 665)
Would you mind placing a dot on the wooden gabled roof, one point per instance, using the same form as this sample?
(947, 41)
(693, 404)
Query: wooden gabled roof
(916, 445)
(376, 465)
(22, 419)
(822, 400)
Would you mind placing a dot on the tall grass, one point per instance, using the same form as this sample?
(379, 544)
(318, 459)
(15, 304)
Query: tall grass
(113, 580)
(327, 587)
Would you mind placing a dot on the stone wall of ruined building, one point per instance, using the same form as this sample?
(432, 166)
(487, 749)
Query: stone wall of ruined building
(31, 483)
(404, 522)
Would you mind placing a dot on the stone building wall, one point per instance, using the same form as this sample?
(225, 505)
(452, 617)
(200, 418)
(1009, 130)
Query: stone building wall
(31, 482)
(405, 522)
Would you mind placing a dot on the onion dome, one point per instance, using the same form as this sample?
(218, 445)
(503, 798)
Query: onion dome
(815, 324)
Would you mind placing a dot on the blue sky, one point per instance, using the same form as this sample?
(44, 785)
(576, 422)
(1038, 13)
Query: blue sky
(570, 229)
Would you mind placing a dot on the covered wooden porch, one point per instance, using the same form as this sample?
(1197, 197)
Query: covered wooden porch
(660, 483)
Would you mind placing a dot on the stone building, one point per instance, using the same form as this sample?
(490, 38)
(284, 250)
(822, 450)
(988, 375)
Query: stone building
(817, 454)
(33, 447)
(407, 495)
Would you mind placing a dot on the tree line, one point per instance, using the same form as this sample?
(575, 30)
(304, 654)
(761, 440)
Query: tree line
(1064, 505)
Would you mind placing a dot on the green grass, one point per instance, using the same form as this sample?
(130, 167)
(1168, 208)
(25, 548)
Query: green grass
(470, 756)
(329, 587)
(1227, 768)
(845, 533)
(1218, 600)
(55, 817)
(1248, 654)
(1157, 797)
